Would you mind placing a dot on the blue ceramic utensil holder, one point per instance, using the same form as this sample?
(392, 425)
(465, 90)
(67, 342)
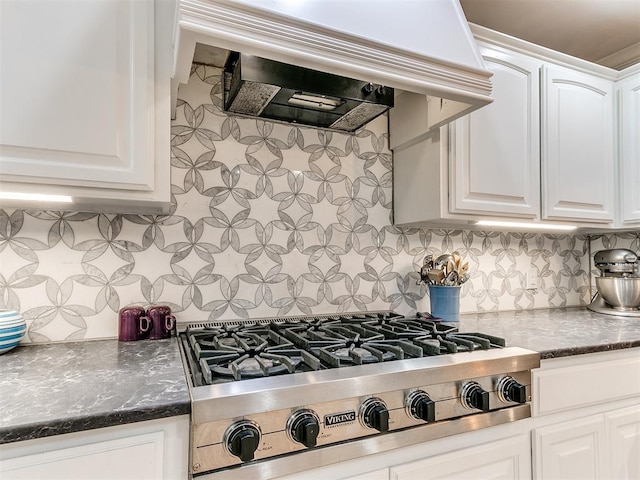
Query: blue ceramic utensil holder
(445, 302)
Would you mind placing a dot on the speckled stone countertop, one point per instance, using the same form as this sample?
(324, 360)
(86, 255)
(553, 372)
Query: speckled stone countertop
(67, 387)
(557, 332)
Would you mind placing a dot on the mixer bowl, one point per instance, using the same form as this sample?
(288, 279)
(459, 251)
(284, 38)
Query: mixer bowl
(622, 293)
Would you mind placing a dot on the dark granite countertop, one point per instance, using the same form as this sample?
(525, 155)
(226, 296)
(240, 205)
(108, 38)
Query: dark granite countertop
(69, 387)
(558, 332)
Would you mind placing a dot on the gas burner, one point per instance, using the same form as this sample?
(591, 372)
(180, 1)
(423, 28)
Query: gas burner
(359, 353)
(251, 353)
(248, 350)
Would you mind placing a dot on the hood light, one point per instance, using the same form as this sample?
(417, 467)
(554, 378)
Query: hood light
(312, 101)
(530, 226)
(37, 197)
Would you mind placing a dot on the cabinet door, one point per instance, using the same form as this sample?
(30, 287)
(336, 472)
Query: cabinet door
(79, 99)
(623, 429)
(154, 449)
(506, 459)
(377, 475)
(577, 146)
(571, 450)
(629, 126)
(495, 151)
(138, 457)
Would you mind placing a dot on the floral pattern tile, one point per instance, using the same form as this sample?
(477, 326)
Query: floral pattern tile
(267, 219)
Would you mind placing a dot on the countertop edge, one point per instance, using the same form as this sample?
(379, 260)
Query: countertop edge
(571, 351)
(91, 422)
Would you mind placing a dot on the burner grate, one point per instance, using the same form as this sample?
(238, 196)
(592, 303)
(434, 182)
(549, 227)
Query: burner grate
(227, 351)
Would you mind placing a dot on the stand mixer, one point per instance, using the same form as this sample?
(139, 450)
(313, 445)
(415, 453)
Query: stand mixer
(619, 285)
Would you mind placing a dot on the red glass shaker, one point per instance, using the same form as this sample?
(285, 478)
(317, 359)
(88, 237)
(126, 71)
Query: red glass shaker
(162, 322)
(132, 323)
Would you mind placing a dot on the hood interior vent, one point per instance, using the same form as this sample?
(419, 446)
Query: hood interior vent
(258, 87)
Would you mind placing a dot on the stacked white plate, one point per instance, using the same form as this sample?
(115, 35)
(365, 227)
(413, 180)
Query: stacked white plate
(12, 329)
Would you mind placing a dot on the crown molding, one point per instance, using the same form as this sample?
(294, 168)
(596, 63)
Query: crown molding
(287, 39)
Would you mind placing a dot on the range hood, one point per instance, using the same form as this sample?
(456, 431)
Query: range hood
(424, 47)
(278, 91)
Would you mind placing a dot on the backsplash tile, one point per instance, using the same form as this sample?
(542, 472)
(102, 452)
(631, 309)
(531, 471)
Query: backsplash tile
(268, 219)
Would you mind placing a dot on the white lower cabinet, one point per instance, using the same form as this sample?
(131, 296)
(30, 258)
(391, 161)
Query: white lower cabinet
(382, 474)
(594, 447)
(152, 450)
(623, 436)
(571, 450)
(586, 421)
(507, 459)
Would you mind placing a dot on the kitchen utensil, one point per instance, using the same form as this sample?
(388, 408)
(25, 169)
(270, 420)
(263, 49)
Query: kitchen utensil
(463, 270)
(621, 293)
(133, 324)
(451, 279)
(12, 329)
(162, 322)
(436, 276)
(446, 269)
(443, 261)
(424, 270)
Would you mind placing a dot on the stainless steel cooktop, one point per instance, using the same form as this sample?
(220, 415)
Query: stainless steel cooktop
(273, 396)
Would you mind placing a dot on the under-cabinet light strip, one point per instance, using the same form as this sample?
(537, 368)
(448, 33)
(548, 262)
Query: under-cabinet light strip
(533, 226)
(38, 197)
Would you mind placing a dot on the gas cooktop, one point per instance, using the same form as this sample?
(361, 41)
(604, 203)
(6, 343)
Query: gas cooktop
(226, 352)
(272, 397)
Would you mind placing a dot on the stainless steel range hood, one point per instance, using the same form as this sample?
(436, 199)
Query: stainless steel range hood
(423, 47)
(278, 91)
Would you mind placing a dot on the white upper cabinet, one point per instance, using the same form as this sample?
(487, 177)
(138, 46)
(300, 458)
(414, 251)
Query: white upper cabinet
(629, 135)
(578, 159)
(85, 101)
(547, 150)
(495, 151)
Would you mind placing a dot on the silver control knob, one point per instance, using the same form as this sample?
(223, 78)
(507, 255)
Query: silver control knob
(509, 390)
(374, 414)
(418, 405)
(303, 427)
(242, 439)
(473, 396)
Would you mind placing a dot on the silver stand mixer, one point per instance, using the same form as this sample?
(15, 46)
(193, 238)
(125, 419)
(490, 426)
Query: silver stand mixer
(619, 285)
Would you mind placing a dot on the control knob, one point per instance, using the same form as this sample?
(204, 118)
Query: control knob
(509, 390)
(303, 427)
(420, 406)
(374, 414)
(242, 439)
(473, 396)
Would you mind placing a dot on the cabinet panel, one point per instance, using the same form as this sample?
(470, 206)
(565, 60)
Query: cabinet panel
(577, 146)
(629, 103)
(154, 449)
(571, 450)
(377, 475)
(85, 102)
(495, 153)
(138, 457)
(566, 388)
(503, 459)
(623, 429)
(75, 91)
